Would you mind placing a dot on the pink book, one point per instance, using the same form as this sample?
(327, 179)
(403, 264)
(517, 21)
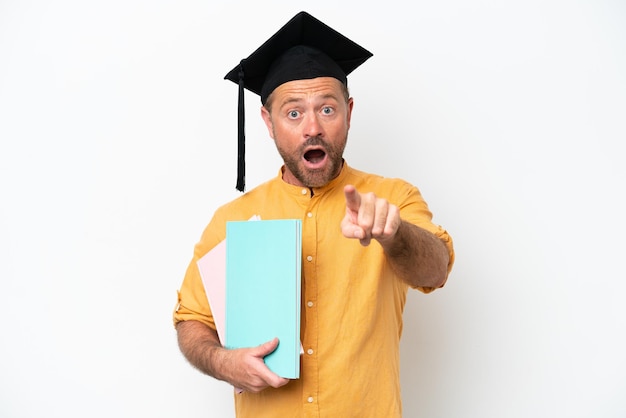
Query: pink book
(212, 268)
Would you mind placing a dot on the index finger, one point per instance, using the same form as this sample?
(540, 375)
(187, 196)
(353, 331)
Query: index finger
(353, 198)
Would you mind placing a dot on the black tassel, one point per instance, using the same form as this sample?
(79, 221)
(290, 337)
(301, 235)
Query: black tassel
(241, 135)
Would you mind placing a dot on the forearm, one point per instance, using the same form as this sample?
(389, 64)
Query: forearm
(417, 256)
(243, 368)
(201, 346)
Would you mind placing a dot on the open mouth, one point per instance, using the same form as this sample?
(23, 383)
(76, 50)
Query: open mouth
(315, 156)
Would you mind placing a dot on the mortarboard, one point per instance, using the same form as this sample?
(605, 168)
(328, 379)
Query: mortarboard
(303, 48)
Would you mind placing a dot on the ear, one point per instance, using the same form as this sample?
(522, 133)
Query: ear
(267, 118)
(349, 114)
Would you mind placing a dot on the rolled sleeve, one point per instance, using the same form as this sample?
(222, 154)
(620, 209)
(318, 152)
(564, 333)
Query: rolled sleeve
(414, 209)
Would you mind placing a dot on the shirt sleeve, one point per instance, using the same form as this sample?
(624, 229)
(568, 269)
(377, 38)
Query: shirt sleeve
(414, 209)
(193, 303)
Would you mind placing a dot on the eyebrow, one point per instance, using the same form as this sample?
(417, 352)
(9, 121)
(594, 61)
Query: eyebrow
(291, 100)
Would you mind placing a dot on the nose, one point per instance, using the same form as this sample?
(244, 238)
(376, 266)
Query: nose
(312, 126)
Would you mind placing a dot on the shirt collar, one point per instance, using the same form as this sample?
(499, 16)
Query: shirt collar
(305, 191)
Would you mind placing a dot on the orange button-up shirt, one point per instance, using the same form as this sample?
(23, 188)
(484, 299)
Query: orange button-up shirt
(352, 302)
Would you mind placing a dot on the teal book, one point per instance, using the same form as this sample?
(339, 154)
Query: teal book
(263, 289)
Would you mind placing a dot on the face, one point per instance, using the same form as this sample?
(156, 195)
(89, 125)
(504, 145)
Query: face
(309, 122)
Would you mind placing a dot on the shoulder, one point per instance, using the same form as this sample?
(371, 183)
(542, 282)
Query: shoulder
(392, 188)
(241, 208)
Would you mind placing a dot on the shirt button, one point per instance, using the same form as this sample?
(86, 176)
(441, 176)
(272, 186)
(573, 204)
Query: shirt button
(304, 191)
(309, 258)
(310, 215)
(309, 351)
(309, 304)
(310, 399)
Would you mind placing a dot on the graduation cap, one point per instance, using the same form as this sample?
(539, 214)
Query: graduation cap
(304, 48)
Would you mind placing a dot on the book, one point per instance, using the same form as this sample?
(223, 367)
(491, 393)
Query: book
(212, 268)
(263, 289)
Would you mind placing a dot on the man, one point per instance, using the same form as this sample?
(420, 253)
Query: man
(365, 240)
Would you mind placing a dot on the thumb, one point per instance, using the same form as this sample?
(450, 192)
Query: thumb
(267, 347)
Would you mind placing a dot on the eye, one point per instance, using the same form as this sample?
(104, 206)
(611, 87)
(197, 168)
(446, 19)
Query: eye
(293, 114)
(327, 110)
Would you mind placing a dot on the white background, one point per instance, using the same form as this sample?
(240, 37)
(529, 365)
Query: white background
(118, 142)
